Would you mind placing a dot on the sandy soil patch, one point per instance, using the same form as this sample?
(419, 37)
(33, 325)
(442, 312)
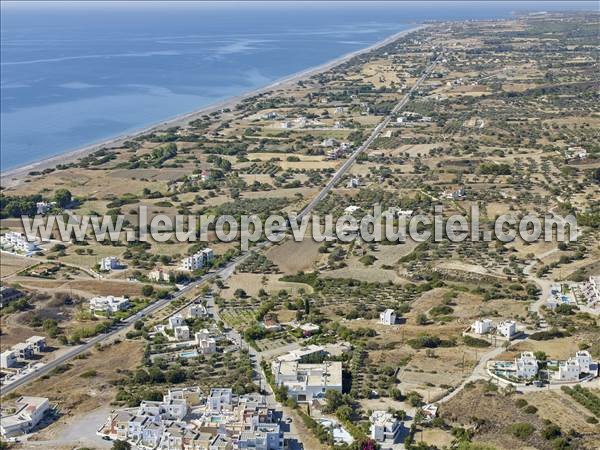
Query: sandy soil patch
(292, 257)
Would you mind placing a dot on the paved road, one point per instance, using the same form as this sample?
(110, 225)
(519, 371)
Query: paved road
(228, 269)
(374, 135)
(128, 323)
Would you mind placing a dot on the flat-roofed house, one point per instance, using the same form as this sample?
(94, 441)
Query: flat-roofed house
(507, 329)
(109, 304)
(584, 359)
(306, 382)
(482, 326)
(38, 343)
(8, 359)
(29, 412)
(568, 370)
(23, 350)
(526, 365)
(182, 333)
(384, 426)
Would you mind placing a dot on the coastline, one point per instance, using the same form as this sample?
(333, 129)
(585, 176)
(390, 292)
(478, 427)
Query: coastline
(14, 176)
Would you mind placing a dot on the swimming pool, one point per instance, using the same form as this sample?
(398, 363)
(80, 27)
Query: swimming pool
(188, 354)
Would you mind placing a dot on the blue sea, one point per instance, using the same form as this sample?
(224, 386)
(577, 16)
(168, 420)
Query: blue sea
(76, 73)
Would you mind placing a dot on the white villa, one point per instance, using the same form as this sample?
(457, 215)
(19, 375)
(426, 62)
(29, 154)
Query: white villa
(205, 343)
(482, 326)
(196, 310)
(159, 276)
(526, 365)
(306, 382)
(568, 370)
(176, 321)
(584, 359)
(181, 333)
(17, 242)
(29, 412)
(571, 369)
(8, 358)
(384, 426)
(387, 317)
(197, 260)
(38, 343)
(109, 304)
(109, 263)
(507, 329)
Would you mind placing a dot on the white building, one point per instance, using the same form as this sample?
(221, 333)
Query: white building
(29, 412)
(8, 359)
(219, 398)
(303, 353)
(482, 326)
(526, 365)
(223, 422)
(17, 242)
(198, 260)
(591, 291)
(508, 329)
(584, 359)
(265, 436)
(23, 350)
(43, 207)
(159, 276)
(205, 343)
(353, 183)
(175, 321)
(109, 304)
(306, 382)
(181, 333)
(38, 343)
(568, 370)
(577, 152)
(109, 263)
(197, 310)
(387, 317)
(384, 426)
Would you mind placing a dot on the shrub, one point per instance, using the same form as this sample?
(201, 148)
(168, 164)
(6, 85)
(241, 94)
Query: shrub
(530, 409)
(521, 402)
(522, 430)
(551, 432)
(89, 374)
(475, 342)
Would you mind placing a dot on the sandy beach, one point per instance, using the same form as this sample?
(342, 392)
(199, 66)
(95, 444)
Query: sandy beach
(15, 176)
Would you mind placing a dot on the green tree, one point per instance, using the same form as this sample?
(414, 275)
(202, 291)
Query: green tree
(63, 197)
(147, 290)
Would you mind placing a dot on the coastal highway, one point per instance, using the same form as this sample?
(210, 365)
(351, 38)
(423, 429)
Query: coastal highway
(228, 268)
(365, 145)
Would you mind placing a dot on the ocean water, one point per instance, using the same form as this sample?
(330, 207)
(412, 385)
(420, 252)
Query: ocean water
(75, 74)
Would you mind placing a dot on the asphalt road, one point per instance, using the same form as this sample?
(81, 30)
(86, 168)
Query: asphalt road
(374, 135)
(227, 269)
(126, 324)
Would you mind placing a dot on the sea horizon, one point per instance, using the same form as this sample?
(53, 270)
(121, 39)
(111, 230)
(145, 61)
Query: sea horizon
(61, 103)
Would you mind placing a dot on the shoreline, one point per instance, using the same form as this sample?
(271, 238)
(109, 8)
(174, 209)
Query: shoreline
(14, 176)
